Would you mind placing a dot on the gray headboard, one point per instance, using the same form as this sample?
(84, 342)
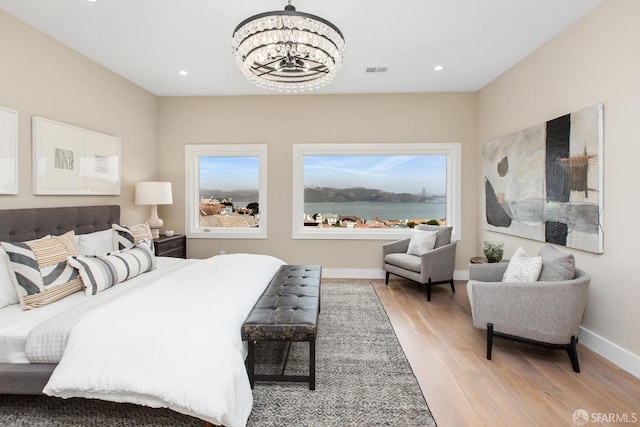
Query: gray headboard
(28, 224)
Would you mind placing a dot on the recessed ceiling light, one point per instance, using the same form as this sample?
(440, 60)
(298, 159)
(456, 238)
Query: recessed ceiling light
(438, 68)
(183, 72)
(93, 1)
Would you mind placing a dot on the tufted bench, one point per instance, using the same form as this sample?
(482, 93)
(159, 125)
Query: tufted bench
(287, 311)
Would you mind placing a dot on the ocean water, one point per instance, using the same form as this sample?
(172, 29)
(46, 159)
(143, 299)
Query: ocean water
(368, 210)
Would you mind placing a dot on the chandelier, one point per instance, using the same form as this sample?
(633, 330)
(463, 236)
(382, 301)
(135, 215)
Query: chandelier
(287, 50)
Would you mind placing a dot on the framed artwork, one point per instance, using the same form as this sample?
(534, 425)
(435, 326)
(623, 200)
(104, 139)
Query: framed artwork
(546, 182)
(72, 160)
(8, 151)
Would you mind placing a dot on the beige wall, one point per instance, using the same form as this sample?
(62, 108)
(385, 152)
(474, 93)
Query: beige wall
(41, 77)
(596, 60)
(281, 121)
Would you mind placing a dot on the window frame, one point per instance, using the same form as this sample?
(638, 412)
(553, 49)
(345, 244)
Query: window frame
(452, 151)
(193, 153)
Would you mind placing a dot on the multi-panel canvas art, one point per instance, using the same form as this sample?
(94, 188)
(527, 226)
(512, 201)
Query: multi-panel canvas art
(545, 182)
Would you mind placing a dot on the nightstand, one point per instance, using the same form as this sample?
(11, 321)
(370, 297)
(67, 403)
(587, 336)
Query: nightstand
(174, 246)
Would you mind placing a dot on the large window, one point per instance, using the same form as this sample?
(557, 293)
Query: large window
(226, 187)
(374, 191)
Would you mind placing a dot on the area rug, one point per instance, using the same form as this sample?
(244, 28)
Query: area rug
(362, 379)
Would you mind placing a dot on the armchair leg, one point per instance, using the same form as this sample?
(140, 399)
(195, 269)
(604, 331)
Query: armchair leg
(489, 340)
(386, 278)
(570, 348)
(430, 283)
(572, 351)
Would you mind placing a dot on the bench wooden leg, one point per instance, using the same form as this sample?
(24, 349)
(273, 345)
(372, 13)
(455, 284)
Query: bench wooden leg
(312, 364)
(251, 362)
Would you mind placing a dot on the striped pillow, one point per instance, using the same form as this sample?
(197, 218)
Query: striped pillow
(104, 271)
(41, 274)
(126, 237)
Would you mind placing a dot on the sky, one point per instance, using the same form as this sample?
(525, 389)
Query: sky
(393, 173)
(229, 173)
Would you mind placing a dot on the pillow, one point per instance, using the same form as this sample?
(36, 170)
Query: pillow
(522, 268)
(98, 243)
(519, 252)
(421, 242)
(41, 274)
(444, 233)
(126, 237)
(556, 265)
(104, 271)
(8, 295)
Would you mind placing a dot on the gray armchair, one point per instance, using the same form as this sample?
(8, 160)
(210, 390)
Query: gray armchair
(546, 313)
(432, 268)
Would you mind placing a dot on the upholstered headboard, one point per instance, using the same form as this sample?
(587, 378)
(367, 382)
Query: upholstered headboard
(28, 224)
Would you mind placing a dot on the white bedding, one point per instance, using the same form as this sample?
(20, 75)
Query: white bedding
(175, 343)
(16, 324)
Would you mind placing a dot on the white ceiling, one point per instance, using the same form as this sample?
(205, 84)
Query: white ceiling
(148, 41)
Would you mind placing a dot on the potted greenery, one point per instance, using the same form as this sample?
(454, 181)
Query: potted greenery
(493, 251)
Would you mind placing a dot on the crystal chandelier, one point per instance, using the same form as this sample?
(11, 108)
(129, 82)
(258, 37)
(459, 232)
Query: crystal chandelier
(288, 50)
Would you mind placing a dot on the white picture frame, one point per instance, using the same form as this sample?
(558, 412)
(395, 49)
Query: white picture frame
(68, 160)
(8, 151)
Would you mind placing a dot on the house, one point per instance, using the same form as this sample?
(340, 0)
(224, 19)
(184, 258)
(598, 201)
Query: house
(595, 60)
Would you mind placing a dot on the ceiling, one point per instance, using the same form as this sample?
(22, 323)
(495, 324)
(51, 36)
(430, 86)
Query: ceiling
(148, 41)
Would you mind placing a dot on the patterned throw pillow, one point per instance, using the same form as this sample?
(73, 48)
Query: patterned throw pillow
(523, 268)
(104, 271)
(126, 237)
(421, 242)
(41, 274)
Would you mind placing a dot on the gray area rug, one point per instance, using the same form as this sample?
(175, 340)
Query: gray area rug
(362, 379)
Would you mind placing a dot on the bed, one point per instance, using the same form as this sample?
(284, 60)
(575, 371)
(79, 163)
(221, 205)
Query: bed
(167, 338)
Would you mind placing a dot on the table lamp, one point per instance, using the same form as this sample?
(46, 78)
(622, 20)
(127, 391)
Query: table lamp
(154, 193)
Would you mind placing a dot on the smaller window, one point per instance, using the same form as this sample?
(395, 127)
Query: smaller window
(226, 191)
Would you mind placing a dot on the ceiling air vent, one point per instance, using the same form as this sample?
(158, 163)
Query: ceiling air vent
(376, 69)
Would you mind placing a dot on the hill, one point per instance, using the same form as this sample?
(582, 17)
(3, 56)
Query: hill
(356, 194)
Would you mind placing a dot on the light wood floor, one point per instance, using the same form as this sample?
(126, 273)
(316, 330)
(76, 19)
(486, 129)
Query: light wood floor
(522, 386)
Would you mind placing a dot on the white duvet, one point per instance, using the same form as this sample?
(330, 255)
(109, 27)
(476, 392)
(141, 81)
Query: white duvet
(175, 343)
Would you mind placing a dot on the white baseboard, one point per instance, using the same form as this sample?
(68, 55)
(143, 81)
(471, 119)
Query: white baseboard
(610, 351)
(372, 273)
(352, 273)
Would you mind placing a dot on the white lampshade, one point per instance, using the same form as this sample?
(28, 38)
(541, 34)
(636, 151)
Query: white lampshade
(153, 193)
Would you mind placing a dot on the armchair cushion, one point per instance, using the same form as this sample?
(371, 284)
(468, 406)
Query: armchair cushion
(556, 265)
(405, 261)
(421, 242)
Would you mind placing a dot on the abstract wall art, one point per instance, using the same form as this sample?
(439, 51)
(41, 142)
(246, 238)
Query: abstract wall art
(545, 182)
